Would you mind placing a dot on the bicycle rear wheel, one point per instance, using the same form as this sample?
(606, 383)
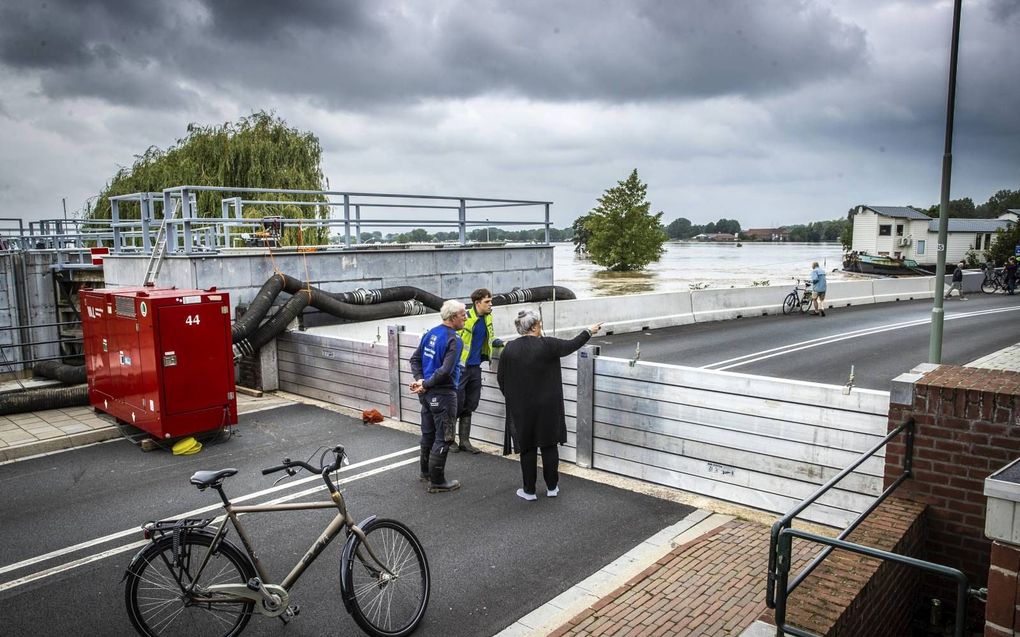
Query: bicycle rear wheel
(990, 286)
(789, 303)
(387, 604)
(157, 603)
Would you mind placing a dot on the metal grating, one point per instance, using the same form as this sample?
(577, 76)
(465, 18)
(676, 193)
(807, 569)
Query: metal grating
(125, 306)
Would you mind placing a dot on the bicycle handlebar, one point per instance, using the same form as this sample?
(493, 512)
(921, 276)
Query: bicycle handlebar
(288, 465)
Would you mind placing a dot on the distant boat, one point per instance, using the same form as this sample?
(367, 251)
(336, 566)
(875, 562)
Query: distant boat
(871, 264)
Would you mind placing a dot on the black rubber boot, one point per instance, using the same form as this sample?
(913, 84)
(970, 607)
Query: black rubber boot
(423, 463)
(437, 475)
(464, 431)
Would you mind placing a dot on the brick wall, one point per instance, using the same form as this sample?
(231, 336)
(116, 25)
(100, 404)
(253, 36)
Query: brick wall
(1002, 615)
(850, 594)
(967, 427)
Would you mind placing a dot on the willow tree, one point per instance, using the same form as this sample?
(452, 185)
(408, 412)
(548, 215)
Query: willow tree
(622, 234)
(258, 151)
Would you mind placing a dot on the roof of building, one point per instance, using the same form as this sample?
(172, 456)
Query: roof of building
(970, 225)
(899, 212)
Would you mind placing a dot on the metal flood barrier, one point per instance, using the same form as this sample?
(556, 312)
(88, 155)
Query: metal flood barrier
(779, 588)
(760, 442)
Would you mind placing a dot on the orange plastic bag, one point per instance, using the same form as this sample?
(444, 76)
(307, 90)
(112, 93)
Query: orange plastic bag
(371, 415)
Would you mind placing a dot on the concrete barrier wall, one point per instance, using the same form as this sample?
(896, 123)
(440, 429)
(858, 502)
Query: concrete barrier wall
(901, 289)
(451, 272)
(724, 304)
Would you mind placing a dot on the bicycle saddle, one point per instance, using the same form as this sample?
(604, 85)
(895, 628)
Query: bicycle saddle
(203, 479)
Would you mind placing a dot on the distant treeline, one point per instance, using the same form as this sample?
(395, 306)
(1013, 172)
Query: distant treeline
(421, 235)
(815, 231)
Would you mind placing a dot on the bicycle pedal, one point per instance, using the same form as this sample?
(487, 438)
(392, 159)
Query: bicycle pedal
(290, 613)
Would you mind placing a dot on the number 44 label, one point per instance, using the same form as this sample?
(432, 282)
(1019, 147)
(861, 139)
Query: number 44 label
(193, 319)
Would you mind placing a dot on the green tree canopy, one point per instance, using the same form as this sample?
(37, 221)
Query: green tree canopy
(1004, 244)
(258, 151)
(624, 235)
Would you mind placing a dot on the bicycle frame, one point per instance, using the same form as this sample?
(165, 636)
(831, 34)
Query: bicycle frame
(232, 593)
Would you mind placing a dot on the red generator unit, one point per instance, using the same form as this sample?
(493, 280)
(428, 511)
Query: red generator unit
(160, 359)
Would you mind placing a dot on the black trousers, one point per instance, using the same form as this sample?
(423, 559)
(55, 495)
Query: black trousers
(470, 390)
(550, 467)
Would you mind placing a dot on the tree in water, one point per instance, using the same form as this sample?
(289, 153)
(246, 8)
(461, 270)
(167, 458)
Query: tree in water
(623, 235)
(258, 151)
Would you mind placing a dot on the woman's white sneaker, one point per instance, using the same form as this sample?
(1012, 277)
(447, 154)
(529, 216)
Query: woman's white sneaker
(526, 496)
(552, 493)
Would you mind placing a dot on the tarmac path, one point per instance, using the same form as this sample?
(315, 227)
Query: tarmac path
(880, 341)
(70, 526)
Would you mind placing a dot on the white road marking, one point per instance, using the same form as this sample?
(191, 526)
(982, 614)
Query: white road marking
(88, 559)
(825, 340)
(244, 498)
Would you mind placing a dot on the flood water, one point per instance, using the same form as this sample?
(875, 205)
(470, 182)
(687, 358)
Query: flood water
(694, 265)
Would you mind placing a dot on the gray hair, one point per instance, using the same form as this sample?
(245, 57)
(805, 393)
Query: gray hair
(526, 320)
(450, 309)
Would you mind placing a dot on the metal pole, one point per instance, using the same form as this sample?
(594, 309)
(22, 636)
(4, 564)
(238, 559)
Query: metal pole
(462, 221)
(937, 312)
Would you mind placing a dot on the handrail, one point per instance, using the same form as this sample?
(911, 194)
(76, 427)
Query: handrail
(779, 588)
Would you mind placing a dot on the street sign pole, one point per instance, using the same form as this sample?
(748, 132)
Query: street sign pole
(937, 310)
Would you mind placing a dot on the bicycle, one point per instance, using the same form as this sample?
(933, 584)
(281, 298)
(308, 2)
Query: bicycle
(191, 581)
(794, 298)
(994, 283)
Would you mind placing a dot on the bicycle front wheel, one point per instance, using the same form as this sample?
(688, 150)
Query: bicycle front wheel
(158, 603)
(989, 286)
(387, 604)
(789, 303)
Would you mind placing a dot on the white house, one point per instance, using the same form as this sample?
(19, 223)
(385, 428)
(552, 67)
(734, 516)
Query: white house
(910, 234)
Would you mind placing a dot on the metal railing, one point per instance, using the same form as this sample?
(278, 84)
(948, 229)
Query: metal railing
(345, 212)
(136, 218)
(779, 588)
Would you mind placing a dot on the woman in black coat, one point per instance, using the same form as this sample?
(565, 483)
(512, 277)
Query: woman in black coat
(529, 377)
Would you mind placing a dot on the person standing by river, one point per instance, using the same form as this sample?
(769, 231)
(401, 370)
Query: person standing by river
(530, 379)
(818, 289)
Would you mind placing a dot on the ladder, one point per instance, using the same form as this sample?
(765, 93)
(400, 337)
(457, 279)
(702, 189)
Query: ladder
(159, 249)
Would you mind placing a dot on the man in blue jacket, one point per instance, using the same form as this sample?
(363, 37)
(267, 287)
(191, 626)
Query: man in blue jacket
(435, 366)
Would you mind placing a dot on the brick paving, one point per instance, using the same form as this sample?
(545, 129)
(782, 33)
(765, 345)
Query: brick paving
(713, 585)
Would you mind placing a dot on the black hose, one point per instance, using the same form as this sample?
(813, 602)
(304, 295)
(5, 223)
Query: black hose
(396, 293)
(55, 370)
(290, 310)
(257, 309)
(44, 398)
(540, 293)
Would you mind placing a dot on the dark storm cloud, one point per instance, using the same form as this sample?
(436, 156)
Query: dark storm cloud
(354, 54)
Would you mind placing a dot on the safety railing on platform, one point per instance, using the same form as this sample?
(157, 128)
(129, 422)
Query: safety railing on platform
(346, 213)
(246, 220)
(779, 588)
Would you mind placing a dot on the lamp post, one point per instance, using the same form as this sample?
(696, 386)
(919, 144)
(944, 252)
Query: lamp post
(937, 311)
(486, 230)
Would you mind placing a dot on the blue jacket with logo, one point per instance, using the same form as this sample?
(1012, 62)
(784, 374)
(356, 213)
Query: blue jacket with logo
(436, 358)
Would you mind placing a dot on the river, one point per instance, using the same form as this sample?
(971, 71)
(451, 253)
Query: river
(692, 265)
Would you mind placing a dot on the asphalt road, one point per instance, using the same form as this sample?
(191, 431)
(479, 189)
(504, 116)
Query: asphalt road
(69, 521)
(880, 341)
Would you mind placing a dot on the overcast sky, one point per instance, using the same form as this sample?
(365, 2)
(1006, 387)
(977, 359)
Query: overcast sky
(767, 111)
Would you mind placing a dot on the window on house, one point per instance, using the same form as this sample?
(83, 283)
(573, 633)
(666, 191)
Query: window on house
(920, 246)
(884, 230)
(899, 229)
(977, 242)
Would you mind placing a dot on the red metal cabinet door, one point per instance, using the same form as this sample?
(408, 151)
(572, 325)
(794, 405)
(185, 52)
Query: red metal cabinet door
(198, 375)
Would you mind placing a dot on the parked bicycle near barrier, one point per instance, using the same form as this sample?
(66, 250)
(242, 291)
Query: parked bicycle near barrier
(191, 581)
(798, 298)
(994, 283)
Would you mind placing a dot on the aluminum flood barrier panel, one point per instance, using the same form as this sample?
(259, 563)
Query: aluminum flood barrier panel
(756, 441)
